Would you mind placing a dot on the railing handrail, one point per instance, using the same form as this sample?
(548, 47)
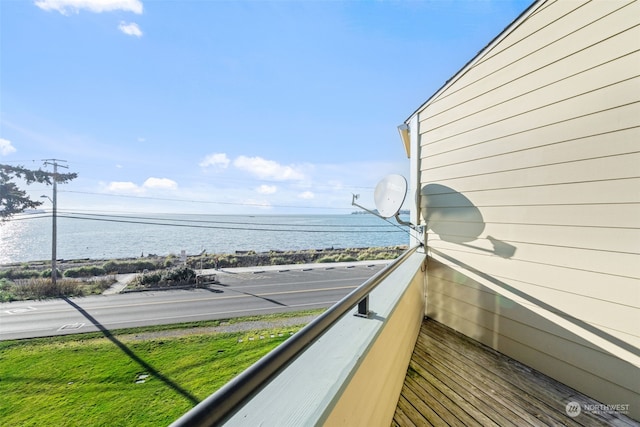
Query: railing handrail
(218, 406)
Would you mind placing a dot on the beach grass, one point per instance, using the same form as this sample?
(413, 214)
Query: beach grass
(44, 288)
(106, 379)
(29, 281)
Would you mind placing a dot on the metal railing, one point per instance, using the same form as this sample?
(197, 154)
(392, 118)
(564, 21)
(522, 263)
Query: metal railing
(216, 408)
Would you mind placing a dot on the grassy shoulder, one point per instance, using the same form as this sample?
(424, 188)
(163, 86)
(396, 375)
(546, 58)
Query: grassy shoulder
(119, 379)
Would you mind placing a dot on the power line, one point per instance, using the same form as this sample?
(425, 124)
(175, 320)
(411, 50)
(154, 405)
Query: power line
(28, 216)
(194, 223)
(199, 201)
(288, 230)
(221, 225)
(21, 161)
(68, 212)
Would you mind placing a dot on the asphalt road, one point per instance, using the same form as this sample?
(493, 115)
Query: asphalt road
(239, 293)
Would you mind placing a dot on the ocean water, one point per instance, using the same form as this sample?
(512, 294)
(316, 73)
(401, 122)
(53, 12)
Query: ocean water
(94, 236)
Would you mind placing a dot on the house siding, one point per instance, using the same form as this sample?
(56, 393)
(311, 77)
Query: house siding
(530, 192)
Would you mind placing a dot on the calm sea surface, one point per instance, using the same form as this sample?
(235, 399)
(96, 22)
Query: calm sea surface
(28, 237)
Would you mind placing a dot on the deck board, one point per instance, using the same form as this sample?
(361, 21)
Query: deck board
(456, 381)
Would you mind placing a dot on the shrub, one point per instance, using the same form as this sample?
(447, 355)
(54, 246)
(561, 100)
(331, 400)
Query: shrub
(374, 254)
(228, 261)
(336, 258)
(85, 271)
(201, 261)
(6, 290)
(45, 274)
(41, 288)
(178, 275)
(123, 267)
(44, 288)
(278, 260)
(149, 279)
(12, 274)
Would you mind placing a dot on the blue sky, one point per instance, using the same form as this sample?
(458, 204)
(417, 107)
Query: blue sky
(262, 107)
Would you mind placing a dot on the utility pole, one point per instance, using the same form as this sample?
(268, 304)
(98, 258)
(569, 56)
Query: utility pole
(54, 217)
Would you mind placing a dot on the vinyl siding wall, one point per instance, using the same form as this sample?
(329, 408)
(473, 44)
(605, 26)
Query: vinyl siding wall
(530, 192)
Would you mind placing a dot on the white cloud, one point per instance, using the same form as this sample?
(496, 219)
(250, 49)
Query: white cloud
(6, 148)
(307, 195)
(216, 159)
(128, 187)
(267, 189)
(160, 183)
(123, 187)
(130, 29)
(268, 169)
(66, 7)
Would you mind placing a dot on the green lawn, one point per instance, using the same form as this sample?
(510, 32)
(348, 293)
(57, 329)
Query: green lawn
(91, 380)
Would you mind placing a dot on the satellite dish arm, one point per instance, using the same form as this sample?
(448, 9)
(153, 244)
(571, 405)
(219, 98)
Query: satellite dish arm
(401, 222)
(353, 203)
(418, 228)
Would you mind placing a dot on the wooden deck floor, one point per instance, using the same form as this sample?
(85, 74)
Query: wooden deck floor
(455, 381)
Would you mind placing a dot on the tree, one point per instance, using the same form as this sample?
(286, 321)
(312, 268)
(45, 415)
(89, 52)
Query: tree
(13, 200)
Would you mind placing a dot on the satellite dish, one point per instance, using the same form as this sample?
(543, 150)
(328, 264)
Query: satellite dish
(389, 195)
